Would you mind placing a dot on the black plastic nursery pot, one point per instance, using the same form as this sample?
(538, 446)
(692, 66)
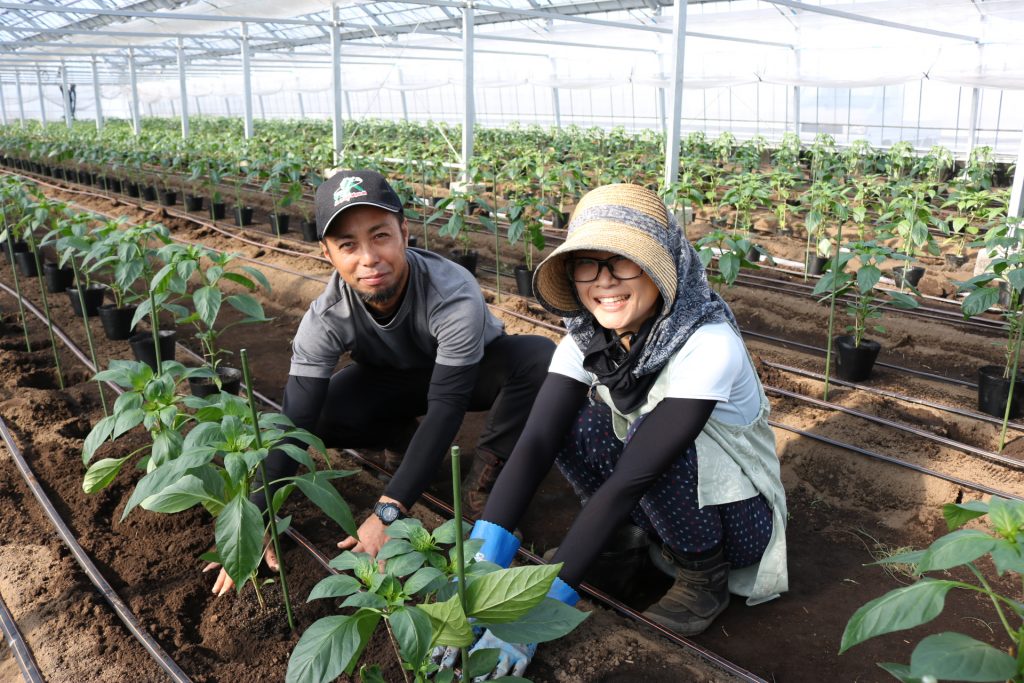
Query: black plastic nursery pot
(854, 363)
(467, 259)
(524, 280)
(193, 202)
(149, 193)
(279, 223)
(218, 210)
(114, 185)
(559, 220)
(117, 322)
(753, 254)
(144, 350)
(413, 241)
(132, 190)
(243, 215)
(994, 389)
(308, 230)
(168, 197)
(15, 247)
(57, 279)
(92, 295)
(26, 261)
(817, 264)
(230, 381)
(954, 261)
(911, 276)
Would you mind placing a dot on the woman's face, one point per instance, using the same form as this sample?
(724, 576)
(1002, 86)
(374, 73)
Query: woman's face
(617, 304)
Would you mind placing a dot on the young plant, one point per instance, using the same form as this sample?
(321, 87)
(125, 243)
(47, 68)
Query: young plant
(746, 192)
(284, 183)
(951, 655)
(123, 253)
(732, 253)
(866, 304)
(417, 597)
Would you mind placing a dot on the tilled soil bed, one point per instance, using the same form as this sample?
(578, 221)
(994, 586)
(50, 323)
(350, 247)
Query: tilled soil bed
(845, 511)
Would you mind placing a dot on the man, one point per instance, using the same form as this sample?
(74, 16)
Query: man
(422, 344)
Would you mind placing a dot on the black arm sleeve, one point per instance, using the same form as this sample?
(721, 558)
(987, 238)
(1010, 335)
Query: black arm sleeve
(666, 433)
(556, 406)
(447, 399)
(303, 402)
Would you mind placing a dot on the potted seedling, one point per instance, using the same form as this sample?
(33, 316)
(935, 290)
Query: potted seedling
(951, 655)
(240, 175)
(999, 387)
(284, 184)
(908, 218)
(124, 255)
(975, 209)
(732, 253)
(457, 203)
(746, 192)
(73, 238)
(523, 217)
(826, 206)
(214, 270)
(313, 179)
(856, 353)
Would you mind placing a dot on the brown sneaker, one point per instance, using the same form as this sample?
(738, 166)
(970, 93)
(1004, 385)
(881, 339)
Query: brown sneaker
(700, 593)
(479, 482)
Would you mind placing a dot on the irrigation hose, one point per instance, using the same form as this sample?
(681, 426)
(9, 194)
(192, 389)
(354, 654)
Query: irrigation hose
(101, 584)
(19, 648)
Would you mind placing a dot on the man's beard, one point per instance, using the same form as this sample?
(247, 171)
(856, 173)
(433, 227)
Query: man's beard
(380, 296)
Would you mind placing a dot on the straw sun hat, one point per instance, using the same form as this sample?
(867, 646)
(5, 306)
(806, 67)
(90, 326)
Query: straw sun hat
(628, 220)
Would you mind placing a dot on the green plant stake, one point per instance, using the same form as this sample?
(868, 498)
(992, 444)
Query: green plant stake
(832, 311)
(154, 328)
(251, 395)
(85, 323)
(460, 567)
(49, 321)
(17, 288)
(1013, 374)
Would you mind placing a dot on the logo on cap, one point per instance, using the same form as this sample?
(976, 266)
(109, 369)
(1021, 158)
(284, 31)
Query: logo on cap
(348, 190)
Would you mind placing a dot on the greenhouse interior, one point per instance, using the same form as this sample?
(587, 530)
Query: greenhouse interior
(696, 328)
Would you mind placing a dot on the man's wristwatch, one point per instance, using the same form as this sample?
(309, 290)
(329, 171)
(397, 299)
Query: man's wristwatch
(387, 512)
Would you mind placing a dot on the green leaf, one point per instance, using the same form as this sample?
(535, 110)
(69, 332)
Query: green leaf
(482, 662)
(335, 586)
(101, 473)
(329, 647)
(207, 301)
(405, 564)
(729, 265)
(956, 657)
(181, 495)
(165, 475)
(370, 674)
(327, 498)
(446, 532)
(1007, 516)
(867, 278)
(412, 629)
(394, 548)
(247, 306)
(979, 301)
(239, 537)
(1015, 276)
(166, 446)
(448, 623)
(956, 548)
(501, 597)
(427, 579)
(902, 672)
(98, 435)
(549, 620)
(910, 557)
(958, 514)
(365, 599)
(898, 609)
(404, 528)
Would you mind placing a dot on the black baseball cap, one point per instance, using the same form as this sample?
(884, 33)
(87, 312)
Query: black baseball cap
(360, 187)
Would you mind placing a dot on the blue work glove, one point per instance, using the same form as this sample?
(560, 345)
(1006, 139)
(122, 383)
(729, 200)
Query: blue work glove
(513, 658)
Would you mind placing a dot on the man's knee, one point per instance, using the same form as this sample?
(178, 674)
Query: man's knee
(534, 356)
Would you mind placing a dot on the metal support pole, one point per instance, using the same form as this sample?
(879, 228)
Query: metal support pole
(662, 107)
(336, 126)
(246, 82)
(133, 77)
(972, 131)
(796, 98)
(405, 103)
(1016, 207)
(182, 87)
(263, 108)
(42, 102)
(676, 109)
(21, 100)
(66, 94)
(3, 104)
(469, 115)
(199, 109)
(97, 95)
(556, 99)
(302, 107)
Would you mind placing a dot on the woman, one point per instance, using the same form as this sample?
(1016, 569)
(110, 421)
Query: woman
(653, 411)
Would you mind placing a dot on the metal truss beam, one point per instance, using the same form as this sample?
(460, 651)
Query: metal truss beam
(804, 7)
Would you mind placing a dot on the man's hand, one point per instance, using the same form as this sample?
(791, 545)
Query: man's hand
(372, 533)
(224, 583)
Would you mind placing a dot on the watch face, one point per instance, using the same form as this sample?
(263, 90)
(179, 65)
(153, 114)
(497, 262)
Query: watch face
(388, 512)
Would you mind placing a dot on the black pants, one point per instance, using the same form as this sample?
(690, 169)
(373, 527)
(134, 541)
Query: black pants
(374, 407)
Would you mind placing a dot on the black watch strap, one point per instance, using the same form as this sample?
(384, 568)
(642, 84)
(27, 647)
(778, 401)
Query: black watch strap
(387, 512)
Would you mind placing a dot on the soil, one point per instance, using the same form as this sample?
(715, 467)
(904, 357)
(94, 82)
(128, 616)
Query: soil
(845, 510)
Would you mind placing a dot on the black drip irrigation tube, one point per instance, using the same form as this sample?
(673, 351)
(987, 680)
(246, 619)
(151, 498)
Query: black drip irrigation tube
(894, 395)
(957, 445)
(95, 576)
(19, 648)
